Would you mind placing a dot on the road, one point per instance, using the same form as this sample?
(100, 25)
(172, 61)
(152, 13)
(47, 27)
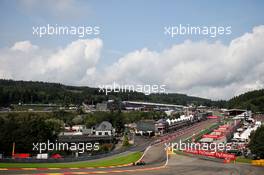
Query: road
(185, 165)
(157, 154)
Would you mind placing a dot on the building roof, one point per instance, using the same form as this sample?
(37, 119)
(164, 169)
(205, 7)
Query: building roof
(161, 121)
(104, 126)
(232, 110)
(207, 140)
(154, 104)
(146, 125)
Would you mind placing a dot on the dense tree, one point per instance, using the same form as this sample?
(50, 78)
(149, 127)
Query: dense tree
(13, 92)
(125, 141)
(253, 100)
(77, 120)
(256, 143)
(66, 117)
(26, 129)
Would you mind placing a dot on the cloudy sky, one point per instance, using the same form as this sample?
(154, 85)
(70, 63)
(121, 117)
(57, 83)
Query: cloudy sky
(132, 48)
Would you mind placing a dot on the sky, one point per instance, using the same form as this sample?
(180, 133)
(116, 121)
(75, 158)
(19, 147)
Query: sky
(132, 47)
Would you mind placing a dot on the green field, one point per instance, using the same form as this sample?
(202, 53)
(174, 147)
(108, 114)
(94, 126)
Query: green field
(243, 160)
(120, 160)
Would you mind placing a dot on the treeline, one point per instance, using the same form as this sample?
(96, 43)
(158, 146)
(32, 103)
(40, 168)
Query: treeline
(253, 100)
(14, 92)
(182, 99)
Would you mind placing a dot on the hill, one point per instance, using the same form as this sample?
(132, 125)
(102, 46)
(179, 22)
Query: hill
(13, 92)
(253, 100)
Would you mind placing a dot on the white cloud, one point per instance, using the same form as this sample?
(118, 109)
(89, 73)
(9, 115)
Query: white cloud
(67, 65)
(212, 70)
(24, 46)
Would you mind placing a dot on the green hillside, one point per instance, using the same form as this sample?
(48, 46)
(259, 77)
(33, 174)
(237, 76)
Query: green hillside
(253, 100)
(13, 92)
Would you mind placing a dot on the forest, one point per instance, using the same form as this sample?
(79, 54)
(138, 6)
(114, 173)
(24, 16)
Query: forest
(29, 92)
(14, 92)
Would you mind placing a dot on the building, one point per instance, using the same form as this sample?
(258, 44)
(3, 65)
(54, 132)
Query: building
(161, 127)
(234, 112)
(103, 129)
(101, 106)
(101, 133)
(74, 130)
(146, 106)
(242, 134)
(221, 134)
(145, 127)
(177, 123)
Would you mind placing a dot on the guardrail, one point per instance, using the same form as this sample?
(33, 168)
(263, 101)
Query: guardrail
(258, 162)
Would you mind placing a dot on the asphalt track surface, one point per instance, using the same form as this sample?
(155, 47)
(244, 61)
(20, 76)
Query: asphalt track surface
(156, 162)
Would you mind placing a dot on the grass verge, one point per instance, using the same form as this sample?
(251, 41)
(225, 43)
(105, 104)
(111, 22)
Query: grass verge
(120, 160)
(243, 160)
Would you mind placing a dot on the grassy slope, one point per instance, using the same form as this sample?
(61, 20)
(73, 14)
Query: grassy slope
(121, 160)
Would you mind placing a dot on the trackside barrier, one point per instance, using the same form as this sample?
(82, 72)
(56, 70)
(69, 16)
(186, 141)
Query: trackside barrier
(170, 151)
(214, 156)
(258, 162)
